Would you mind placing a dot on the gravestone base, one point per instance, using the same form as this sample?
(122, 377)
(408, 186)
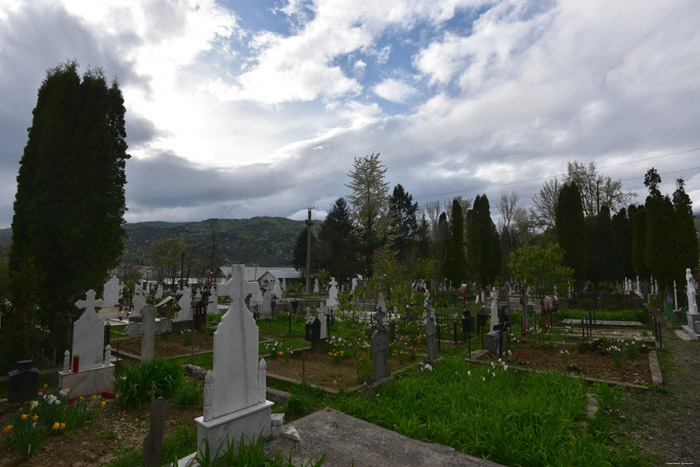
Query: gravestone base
(250, 423)
(88, 382)
(693, 326)
(495, 341)
(678, 317)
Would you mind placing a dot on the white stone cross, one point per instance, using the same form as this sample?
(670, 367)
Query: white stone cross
(147, 329)
(89, 303)
(238, 288)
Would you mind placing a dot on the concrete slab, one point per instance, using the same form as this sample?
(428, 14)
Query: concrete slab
(656, 377)
(349, 441)
(604, 322)
(683, 335)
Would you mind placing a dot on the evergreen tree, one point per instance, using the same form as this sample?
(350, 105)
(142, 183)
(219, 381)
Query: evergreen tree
(571, 231)
(457, 261)
(660, 251)
(483, 243)
(622, 242)
(369, 199)
(69, 206)
(601, 256)
(638, 220)
(403, 221)
(442, 246)
(299, 254)
(337, 244)
(686, 236)
(422, 247)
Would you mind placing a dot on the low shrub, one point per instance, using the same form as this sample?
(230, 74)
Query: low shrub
(134, 382)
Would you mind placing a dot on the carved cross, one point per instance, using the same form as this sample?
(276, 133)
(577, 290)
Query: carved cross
(238, 288)
(89, 303)
(147, 329)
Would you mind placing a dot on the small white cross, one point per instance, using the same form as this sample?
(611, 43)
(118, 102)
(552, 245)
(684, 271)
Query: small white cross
(89, 303)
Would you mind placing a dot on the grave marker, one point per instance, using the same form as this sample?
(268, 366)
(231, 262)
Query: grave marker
(139, 303)
(147, 329)
(111, 292)
(380, 349)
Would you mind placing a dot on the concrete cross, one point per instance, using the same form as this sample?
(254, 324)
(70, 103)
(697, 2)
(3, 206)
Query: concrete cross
(238, 288)
(89, 303)
(147, 329)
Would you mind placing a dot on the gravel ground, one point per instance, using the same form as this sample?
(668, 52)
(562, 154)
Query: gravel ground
(667, 426)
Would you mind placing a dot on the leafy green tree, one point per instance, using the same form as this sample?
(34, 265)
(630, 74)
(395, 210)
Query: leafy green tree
(596, 190)
(69, 207)
(686, 236)
(337, 244)
(571, 231)
(391, 278)
(601, 249)
(403, 221)
(370, 203)
(638, 219)
(483, 243)
(457, 261)
(541, 268)
(622, 242)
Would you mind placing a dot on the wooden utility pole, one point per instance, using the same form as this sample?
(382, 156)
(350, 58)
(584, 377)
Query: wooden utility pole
(308, 252)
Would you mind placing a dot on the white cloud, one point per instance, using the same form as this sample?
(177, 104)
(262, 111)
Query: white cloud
(394, 90)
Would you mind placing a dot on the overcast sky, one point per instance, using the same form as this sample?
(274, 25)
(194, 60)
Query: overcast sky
(257, 107)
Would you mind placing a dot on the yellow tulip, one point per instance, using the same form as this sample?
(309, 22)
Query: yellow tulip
(24, 416)
(55, 426)
(63, 426)
(7, 429)
(35, 418)
(103, 403)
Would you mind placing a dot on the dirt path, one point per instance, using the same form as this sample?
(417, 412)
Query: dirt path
(667, 426)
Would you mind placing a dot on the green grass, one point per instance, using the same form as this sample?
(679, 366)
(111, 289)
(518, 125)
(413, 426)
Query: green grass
(116, 332)
(513, 419)
(177, 445)
(622, 315)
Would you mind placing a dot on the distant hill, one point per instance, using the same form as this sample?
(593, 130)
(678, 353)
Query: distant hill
(267, 241)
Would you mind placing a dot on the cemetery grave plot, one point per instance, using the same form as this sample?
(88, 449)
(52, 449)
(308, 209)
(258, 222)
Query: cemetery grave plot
(173, 344)
(606, 359)
(322, 370)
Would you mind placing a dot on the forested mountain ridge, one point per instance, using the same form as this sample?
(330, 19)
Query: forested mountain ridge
(265, 241)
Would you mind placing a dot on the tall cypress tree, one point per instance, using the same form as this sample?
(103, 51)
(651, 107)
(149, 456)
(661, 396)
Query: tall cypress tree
(660, 251)
(483, 243)
(571, 230)
(638, 219)
(601, 256)
(686, 236)
(457, 261)
(622, 241)
(403, 221)
(69, 207)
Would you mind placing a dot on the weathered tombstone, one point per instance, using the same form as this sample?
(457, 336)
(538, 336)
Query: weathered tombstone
(430, 339)
(159, 291)
(323, 315)
(693, 316)
(316, 287)
(89, 371)
(380, 349)
(153, 443)
(147, 329)
(185, 304)
(494, 308)
(354, 285)
(277, 290)
(198, 295)
(257, 299)
(283, 286)
(235, 402)
(139, 302)
(332, 301)
(111, 292)
(313, 332)
(266, 310)
(213, 305)
(24, 382)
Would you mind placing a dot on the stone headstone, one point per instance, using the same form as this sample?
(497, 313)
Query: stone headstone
(380, 349)
(266, 310)
(24, 382)
(354, 285)
(111, 292)
(213, 305)
(88, 333)
(185, 304)
(139, 303)
(159, 291)
(323, 316)
(198, 296)
(257, 298)
(234, 394)
(693, 315)
(276, 290)
(494, 308)
(332, 301)
(316, 287)
(283, 285)
(147, 329)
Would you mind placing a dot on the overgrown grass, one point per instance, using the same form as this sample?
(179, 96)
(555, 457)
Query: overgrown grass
(176, 445)
(622, 315)
(279, 325)
(133, 383)
(523, 419)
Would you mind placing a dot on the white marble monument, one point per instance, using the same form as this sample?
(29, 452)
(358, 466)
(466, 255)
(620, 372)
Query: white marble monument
(111, 292)
(494, 308)
(147, 329)
(235, 402)
(185, 304)
(332, 301)
(95, 372)
(213, 305)
(693, 326)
